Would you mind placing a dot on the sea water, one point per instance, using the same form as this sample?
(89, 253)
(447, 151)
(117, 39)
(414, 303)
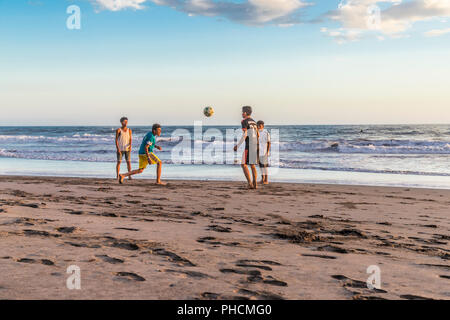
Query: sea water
(391, 155)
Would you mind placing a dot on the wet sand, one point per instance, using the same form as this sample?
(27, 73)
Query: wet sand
(217, 240)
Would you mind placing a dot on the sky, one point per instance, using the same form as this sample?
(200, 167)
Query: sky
(294, 61)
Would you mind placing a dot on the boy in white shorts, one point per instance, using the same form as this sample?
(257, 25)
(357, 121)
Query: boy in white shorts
(264, 151)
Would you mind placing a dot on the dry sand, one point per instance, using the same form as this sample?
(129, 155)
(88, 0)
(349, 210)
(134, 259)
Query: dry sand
(217, 240)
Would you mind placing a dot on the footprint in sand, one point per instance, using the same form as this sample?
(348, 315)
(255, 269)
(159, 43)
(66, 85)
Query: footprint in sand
(361, 297)
(192, 274)
(210, 295)
(241, 271)
(296, 236)
(333, 249)
(272, 263)
(127, 229)
(274, 282)
(29, 232)
(66, 229)
(413, 297)
(173, 257)
(108, 214)
(347, 282)
(75, 212)
(29, 205)
(351, 232)
(357, 284)
(218, 228)
(214, 242)
(109, 259)
(26, 260)
(322, 256)
(43, 261)
(125, 245)
(262, 295)
(83, 245)
(128, 276)
(255, 275)
(243, 265)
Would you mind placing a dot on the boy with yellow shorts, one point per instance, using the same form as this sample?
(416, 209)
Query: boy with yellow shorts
(146, 155)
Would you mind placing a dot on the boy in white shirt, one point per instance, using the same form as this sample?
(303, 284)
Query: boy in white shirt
(264, 151)
(124, 140)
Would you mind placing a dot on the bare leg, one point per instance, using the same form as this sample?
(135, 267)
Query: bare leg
(158, 174)
(129, 168)
(255, 176)
(247, 175)
(118, 169)
(132, 173)
(122, 176)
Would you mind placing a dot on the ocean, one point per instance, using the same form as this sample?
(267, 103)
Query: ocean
(390, 155)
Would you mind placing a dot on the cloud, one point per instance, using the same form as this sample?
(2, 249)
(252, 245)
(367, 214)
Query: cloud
(396, 18)
(436, 32)
(251, 12)
(342, 35)
(117, 5)
(356, 19)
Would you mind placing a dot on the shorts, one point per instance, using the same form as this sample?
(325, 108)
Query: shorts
(124, 153)
(263, 161)
(250, 157)
(143, 161)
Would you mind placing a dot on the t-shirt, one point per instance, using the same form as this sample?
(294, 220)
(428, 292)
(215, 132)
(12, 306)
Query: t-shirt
(264, 139)
(150, 140)
(252, 129)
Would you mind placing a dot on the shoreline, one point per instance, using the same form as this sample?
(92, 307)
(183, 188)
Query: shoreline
(100, 170)
(217, 240)
(149, 181)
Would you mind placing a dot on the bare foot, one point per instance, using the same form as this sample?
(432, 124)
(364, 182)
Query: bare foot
(160, 183)
(265, 182)
(129, 178)
(255, 185)
(249, 186)
(120, 179)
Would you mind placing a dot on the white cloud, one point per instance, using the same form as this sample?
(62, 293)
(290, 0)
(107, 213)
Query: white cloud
(116, 5)
(255, 12)
(357, 19)
(397, 17)
(342, 35)
(268, 10)
(437, 32)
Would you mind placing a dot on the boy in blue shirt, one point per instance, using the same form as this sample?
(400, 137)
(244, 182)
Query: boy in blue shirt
(146, 155)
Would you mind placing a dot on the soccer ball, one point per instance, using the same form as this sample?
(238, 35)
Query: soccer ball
(208, 111)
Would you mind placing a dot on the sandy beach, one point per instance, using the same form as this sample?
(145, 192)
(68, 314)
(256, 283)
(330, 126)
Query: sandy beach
(217, 240)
